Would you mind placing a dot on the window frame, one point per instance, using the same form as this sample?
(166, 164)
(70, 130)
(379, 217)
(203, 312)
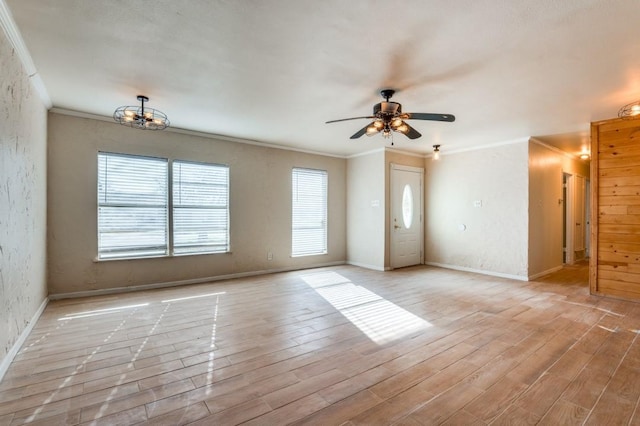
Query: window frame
(324, 174)
(173, 207)
(169, 216)
(102, 254)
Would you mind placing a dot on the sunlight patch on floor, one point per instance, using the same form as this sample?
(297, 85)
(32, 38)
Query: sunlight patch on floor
(97, 312)
(130, 366)
(381, 320)
(180, 299)
(80, 367)
(212, 347)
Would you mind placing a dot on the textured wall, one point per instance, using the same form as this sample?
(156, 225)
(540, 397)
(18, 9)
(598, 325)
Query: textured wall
(260, 206)
(22, 199)
(495, 234)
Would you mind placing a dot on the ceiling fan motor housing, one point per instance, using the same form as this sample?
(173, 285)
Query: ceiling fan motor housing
(387, 109)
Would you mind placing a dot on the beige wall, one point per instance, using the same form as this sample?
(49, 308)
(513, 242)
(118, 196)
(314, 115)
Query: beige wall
(366, 210)
(260, 206)
(495, 236)
(546, 166)
(23, 124)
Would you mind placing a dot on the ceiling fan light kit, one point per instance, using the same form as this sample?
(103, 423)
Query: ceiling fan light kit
(388, 117)
(140, 117)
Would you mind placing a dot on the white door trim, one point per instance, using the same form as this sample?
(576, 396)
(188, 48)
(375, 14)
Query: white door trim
(407, 169)
(570, 255)
(392, 194)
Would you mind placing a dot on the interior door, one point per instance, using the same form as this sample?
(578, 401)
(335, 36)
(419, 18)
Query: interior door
(407, 236)
(579, 214)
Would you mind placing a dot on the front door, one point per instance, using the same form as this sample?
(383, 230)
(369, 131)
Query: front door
(407, 236)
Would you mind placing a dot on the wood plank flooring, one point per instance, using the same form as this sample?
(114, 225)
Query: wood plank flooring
(334, 346)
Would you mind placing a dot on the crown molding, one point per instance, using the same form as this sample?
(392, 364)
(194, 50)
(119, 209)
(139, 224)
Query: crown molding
(487, 146)
(362, 154)
(80, 114)
(403, 152)
(389, 149)
(554, 149)
(17, 43)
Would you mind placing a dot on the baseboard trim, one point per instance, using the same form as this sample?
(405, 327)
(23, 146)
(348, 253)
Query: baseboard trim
(116, 290)
(8, 359)
(478, 271)
(367, 266)
(543, 273)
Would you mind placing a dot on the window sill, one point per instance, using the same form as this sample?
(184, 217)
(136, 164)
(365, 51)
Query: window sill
(310, 254)
(164, 256)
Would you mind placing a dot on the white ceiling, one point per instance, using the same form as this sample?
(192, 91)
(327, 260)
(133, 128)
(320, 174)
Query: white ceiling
(275, 70)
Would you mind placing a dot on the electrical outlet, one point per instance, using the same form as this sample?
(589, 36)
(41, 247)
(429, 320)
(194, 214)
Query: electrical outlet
(269, 255)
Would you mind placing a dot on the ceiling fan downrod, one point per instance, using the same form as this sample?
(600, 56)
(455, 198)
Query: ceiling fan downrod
(387, 93)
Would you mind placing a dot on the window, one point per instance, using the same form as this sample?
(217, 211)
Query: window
(132, 206)
(200, 208)
(309, 212)
(407, 206)
(134, 213)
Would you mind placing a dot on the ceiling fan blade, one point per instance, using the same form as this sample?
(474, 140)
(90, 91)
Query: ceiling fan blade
(424, 116)
(361, 132)
(411, 133)
(347, 119)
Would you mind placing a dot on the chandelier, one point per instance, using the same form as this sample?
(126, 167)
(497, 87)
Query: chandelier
(140, 117)
(629, 110)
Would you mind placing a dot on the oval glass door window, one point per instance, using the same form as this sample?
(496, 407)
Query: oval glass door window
(407, 206)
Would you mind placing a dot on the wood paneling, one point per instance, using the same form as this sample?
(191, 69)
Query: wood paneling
(615, 210)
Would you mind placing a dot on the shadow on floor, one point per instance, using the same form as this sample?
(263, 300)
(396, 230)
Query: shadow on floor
(576, 274)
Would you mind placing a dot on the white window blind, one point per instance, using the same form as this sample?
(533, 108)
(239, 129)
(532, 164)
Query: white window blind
(200, 208)
(132, 206)
(309, 212)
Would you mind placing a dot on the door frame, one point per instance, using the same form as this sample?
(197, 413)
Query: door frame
(420, 170)
(587, 218)
(571, 212)
(569, 257)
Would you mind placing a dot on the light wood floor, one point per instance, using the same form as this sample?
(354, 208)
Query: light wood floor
(334, 346)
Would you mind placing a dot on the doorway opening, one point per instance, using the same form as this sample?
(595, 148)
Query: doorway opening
(575, 221)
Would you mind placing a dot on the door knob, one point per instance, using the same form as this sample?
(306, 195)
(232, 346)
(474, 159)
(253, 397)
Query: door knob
(397, 226)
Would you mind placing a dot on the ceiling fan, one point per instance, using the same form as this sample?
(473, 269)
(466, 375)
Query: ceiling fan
(388, 116)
